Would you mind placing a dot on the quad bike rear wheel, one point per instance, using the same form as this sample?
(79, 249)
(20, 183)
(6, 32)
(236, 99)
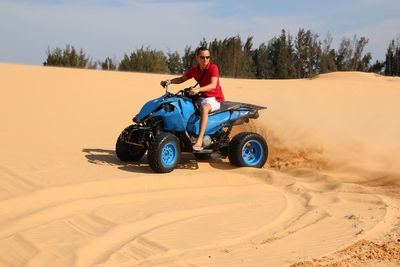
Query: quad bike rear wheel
(248, 149)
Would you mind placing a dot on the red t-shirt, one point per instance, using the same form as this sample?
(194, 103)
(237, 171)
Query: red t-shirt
(212, 71)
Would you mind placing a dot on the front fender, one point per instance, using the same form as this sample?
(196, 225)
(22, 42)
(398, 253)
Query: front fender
(171, 116)
(150, 107)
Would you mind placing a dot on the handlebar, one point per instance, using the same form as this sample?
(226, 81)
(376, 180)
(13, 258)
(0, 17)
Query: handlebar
(182, 92)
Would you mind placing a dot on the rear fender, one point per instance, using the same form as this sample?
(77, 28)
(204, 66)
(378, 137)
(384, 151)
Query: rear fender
(218, 120)
(215, 122)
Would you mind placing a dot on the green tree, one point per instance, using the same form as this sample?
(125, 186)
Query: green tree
(308, 54)
(392, 63)
(396, 64)
(328, 56)
(68, 57)
(343, 55)
(92, 64)
(203, 43)
(377, 67)
(217, 54)
(232, 56)
(291, 57)
(145, 60)
(359, 62)
(301, 53)
(174, 63)
(234, 59)
(108, 64)
(188, 59)
(350, 55)
(390, 59)
(314, 60)
(281, 57)
(262, 63)
(247, 69)
(272, 53)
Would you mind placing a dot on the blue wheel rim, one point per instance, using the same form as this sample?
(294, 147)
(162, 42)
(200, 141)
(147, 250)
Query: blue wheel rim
(168, 154)
(252, 152)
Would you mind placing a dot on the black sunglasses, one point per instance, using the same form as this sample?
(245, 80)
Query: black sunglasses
(207, 57)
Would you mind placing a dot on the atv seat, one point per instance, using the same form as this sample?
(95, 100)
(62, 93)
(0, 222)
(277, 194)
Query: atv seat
(228, 105)
(225, 106)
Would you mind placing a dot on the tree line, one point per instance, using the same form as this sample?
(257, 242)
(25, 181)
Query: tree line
(286, 56)
(392, 62)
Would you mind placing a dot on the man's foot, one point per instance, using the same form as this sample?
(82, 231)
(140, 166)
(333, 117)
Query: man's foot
(197, 147)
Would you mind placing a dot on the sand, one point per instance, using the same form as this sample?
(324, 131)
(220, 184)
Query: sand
(328, 195)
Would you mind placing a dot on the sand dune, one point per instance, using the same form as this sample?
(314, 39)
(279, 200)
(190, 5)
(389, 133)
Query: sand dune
(329, 192)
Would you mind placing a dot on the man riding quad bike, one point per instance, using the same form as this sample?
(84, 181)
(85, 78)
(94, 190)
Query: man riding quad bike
(169, 125)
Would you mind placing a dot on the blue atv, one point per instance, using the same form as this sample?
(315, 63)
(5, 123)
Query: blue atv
(169, 125)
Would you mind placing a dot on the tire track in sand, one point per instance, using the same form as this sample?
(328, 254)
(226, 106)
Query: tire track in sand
(12, 184)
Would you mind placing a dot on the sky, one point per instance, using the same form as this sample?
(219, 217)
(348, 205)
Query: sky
(112, 28)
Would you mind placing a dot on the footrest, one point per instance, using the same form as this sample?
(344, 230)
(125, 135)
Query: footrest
(203, 151)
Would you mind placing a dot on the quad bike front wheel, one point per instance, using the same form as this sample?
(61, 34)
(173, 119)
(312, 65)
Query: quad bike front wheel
(164, 152)
(248, 149)
(126, 151)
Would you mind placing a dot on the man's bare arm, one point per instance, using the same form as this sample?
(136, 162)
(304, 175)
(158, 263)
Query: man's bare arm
(179, 79)
(175, 80)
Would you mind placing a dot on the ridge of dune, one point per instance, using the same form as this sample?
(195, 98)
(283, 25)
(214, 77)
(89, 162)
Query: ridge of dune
(329, 193)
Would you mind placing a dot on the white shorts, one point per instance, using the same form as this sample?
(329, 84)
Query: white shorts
(209, 100)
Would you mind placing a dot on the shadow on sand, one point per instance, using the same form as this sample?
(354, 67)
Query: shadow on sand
(108, 157)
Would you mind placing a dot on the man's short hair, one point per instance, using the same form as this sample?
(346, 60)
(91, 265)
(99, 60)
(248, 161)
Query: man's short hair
(201, 48)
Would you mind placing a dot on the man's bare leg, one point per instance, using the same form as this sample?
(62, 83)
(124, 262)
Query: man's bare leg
(205, 109)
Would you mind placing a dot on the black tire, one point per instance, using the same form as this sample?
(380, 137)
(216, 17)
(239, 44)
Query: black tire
(248, 149)
(164, 153)
(128, 152)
